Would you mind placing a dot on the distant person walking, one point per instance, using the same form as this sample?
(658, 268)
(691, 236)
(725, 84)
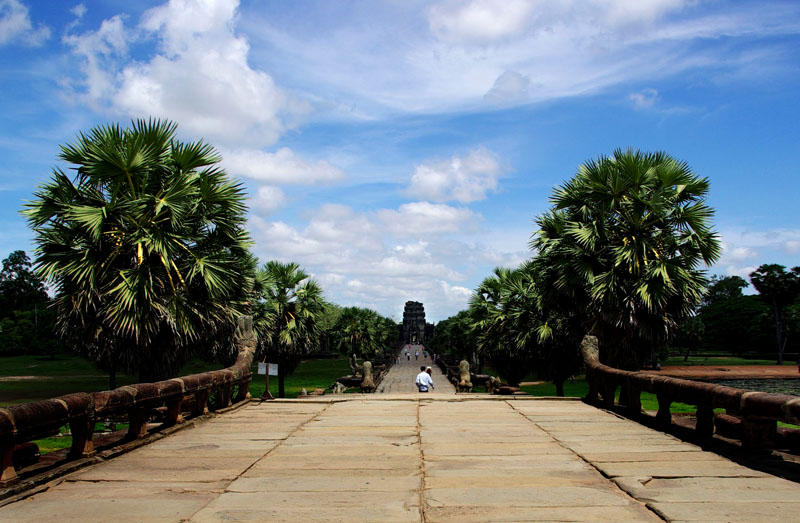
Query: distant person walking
(408, 355)
(416, 355)
(424, 380)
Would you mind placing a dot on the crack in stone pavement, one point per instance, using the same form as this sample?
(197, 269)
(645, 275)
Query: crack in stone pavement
(267, 453)
(624, 493)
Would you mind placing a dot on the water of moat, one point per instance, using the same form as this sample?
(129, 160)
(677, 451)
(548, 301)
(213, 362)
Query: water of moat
(774, 385)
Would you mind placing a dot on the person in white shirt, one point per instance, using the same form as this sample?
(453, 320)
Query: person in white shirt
(424, 380)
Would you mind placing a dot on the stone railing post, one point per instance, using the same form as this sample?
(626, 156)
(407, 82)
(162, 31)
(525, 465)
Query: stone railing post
(634, 404)
(664, 415)
(8, 474)
(82, 430)
(137, 422)
(704, 426)
(758, 433)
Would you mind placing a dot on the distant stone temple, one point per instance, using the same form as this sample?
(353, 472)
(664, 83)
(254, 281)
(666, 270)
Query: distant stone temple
(414, 329)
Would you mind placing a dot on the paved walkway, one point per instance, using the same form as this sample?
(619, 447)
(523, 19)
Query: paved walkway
(398, 457)
(402, 375)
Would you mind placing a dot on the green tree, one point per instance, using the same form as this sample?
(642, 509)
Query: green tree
(506, 319)
(20, 286)
(779, 289)
(454, 336)
(145, 246)
(724, 288)
(736, 325)
(287, 317)
(365, 333)
(623, 243)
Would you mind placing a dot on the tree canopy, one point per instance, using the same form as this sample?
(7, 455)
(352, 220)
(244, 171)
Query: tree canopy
(144, 245)
(624, 242)
(779, 288)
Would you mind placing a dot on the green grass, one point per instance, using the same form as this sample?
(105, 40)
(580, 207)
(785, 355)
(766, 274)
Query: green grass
(37, 378)
(310, 374)
(579, 388)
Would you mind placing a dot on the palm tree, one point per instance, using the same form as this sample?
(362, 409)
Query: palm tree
(145, 246)
(506, 318)
(287, 316)
(623, 243)
(364, 332)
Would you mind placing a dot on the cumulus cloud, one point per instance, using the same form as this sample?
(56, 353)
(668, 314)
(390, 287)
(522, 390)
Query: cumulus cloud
(361, 260)
(644, 99)
(16, 25)
(479, 21)
(462, 178)
(99, 52)
(510, 87)
(415, 218)
(745, 249)
(281, 167)
(267, 199)
(198, 76)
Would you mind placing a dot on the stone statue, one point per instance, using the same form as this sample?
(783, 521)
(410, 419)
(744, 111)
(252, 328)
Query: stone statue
(493, 385)
(368, 383)
(338, 388)
(354, 366)
(464, 382)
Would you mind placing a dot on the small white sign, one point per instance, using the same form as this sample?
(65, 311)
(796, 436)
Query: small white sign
(273, 369)
(262, 368)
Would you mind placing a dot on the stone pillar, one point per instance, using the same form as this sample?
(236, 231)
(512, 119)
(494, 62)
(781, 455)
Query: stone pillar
(705, 421)
(82, 430)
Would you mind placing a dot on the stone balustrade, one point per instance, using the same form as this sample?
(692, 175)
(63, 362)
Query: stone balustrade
(759, 412)
(20, 424)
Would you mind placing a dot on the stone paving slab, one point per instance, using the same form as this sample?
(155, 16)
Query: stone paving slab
(417, 458)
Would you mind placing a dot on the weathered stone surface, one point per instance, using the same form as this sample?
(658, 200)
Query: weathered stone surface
(666, 469)
(722, 490)
(713, 511)
(398, 458)
(480, 514)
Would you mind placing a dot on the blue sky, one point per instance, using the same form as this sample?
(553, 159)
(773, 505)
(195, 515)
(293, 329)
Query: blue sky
(399, 150)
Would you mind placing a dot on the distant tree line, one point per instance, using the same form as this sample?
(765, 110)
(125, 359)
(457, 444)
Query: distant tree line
(728, 321)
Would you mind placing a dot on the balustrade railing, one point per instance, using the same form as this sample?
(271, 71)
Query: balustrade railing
(20, 424)
(759, 412)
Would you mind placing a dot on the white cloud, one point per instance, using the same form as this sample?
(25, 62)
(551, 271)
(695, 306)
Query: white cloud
(361, 260)
(100, 51)
(16, 26)
(267, 199)
(199, 76)
(464, 179)
(510, 87)
(280, 167)
(745, 249)
(425, 218)
(479, 21)
(511, 52)
(644, 99)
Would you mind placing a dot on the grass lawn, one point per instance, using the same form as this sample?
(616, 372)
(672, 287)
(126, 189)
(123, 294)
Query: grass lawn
(34, 378)
(309, 375)
(579, 388)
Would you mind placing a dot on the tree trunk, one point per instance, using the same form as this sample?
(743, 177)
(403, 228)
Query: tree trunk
(112, 377)
(281, 377)
(778, 330)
